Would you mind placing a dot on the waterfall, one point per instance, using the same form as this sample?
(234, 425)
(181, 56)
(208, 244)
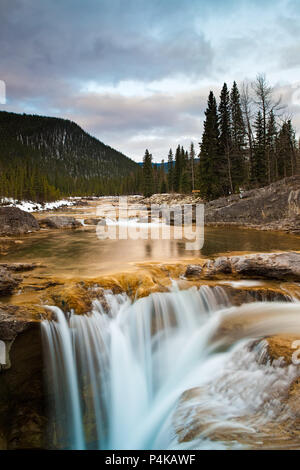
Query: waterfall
(116, 375)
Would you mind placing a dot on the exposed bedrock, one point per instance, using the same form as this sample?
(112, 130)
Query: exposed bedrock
(280, 266)
(274, 207)
(10, 276)
(14, 221)
(8, 282)
(22, 397)
(59, 222)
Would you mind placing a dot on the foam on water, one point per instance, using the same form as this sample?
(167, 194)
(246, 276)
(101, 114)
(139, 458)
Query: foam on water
(117, 375)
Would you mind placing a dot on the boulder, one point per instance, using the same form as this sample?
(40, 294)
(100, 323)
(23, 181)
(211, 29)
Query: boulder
(19, 267)
(14, 221)
(273, 207)
(8, 282)
(23, 417)
(11, 323)
(193, 270)
(280, 266)
(60, 222)
(92, 221)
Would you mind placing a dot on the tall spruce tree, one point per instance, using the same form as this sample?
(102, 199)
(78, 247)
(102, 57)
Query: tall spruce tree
(272, 169)
(192, 165)
(170, 171)
(238, 136)
(286, 151)
(178, 169)
(225, 141)
(259, 170)
(148, 179)
(209, 170)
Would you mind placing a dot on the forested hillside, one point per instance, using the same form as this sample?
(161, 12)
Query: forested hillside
(248, 141)
(42, 158)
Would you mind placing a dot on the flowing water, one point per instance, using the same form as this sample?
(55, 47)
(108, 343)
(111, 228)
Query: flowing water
(116, 375)
(79, 252)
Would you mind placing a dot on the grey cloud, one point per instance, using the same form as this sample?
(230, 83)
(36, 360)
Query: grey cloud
(49, 48)
(133, 113)
(134, 123)
(103, 41)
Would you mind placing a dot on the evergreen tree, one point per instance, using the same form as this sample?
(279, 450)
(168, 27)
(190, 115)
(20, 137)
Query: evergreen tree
(238, 136)
(178, 169)
(170, 171)
(286, 151)
(225, 141)
(162, 178)
(209, 171)
(259, 164)
(272, 169)
(192, 165)
(148, 181)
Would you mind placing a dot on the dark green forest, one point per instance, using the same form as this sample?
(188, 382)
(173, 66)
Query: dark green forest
(247, 142)
(43, 158)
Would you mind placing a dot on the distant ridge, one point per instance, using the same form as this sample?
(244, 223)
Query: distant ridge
(55, 153)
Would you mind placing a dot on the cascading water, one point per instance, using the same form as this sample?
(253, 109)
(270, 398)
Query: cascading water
(116, 375)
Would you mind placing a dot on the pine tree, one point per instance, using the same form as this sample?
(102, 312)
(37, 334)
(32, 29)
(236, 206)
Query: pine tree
(286, 151)
(272, 169)
(209, 171)
(162, 178)
(225, 141)
(148, 181)
(192, 165)
(178, 169)
(259, 164)
(170, 171)
(238, 136)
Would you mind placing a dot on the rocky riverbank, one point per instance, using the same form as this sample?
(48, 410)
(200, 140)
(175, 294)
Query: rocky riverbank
(24, 291)
(274, 207)
(279, 266)
(23, 417)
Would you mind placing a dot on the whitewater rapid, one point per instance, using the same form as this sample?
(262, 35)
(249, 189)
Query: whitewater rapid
(116, 375)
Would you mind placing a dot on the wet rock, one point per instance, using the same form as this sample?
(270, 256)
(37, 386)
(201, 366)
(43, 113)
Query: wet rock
(240, 296)
(19, 267)
(193, 270)
(279, 266)
(14, 221)
(23, 419)
(60, 222)
(8, 282)
(170, 199)
(92, 221)
(274, 207)
(12, 322)
(268, 265)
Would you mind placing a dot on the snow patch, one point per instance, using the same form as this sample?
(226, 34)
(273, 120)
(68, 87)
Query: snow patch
(30, 206)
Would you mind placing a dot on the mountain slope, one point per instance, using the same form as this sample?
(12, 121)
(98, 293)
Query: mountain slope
(37, 151)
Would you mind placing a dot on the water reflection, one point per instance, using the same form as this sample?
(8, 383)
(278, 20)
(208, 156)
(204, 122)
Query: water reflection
(81, 252)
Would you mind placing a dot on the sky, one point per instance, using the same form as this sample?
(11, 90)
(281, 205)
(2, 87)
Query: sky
(136, 73)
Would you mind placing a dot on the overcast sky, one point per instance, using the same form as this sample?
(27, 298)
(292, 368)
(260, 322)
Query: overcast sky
(136, 73)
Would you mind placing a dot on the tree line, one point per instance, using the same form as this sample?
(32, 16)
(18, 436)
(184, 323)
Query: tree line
(248, 141)
(43, 159)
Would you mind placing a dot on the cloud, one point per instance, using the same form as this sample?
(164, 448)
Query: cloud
(137, 73)
(96, 40)
(134, 123)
